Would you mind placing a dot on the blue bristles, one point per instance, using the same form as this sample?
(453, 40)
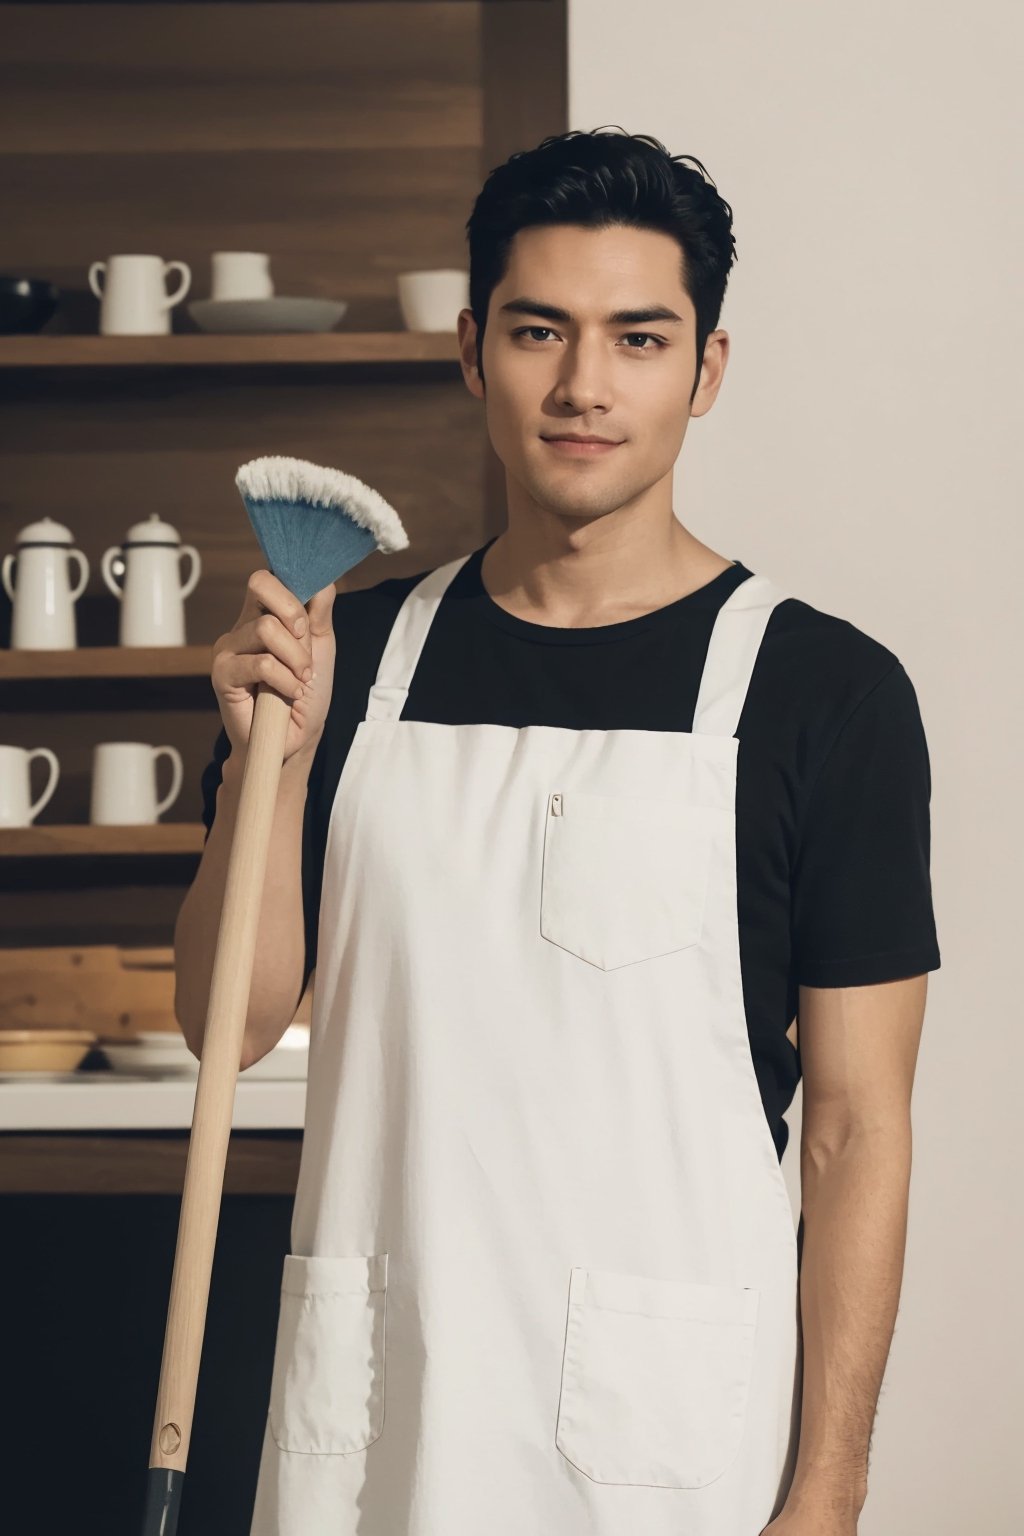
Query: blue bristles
(314, 524)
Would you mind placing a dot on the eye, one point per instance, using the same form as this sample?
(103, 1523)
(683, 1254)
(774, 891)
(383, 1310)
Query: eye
(527, 329)
(647, 335)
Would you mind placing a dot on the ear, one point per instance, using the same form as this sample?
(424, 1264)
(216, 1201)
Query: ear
(467, 334)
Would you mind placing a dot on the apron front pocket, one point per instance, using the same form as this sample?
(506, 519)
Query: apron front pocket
(327, 1391)
(655, 1378)
(625, 876)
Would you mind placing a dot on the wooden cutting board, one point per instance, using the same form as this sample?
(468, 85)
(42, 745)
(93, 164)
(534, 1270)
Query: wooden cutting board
(113, 991)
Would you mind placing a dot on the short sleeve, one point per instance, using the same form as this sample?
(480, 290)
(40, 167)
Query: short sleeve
(312, 837)
(212, 778)
(861, 898)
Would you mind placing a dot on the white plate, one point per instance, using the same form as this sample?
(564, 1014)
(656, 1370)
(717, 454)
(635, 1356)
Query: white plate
(145, 1059)
(288, 1059)
(248, 316)
(278, 1064)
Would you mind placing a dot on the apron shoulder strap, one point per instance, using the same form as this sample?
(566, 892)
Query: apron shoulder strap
(406, 641)
(735, 640)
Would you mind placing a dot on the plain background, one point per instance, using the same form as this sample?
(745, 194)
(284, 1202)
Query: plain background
(863, 452)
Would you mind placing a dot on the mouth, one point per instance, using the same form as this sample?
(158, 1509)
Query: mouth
(578, 448)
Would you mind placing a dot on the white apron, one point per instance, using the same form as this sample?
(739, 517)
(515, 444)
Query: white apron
(544, 1267)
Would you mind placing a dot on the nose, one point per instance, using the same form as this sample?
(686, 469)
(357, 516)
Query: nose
(582, 385)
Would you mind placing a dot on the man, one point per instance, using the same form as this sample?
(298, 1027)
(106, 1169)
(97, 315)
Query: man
(588, 819)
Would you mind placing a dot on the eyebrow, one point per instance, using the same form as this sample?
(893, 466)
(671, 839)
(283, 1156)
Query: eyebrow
(526, 306)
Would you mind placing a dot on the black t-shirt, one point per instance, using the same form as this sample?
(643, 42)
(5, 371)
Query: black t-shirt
(833, 774)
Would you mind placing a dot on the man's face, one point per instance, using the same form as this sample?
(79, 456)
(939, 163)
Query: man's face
(627, 381)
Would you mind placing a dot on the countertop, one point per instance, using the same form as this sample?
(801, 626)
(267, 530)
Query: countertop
(107, 1101)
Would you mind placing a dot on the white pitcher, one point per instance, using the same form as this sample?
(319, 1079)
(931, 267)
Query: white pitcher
(42, 596)
(134, 300)
(153, 595)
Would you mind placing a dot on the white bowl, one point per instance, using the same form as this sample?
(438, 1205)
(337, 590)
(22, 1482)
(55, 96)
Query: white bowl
(288, 1059)
(249, 316)
(162, 1052)
(141, 1058)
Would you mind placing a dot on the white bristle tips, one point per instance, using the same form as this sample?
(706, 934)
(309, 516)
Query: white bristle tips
(278, 478)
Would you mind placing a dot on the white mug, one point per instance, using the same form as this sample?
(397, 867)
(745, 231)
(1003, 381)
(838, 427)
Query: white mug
(430, 301)
(17, 808)
(241, 275)
(134, 299)
(124, 783)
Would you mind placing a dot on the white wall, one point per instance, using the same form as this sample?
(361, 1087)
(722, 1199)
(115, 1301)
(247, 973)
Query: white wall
(863, 452)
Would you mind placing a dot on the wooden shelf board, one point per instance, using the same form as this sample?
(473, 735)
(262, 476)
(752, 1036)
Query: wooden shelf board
(109, 661)
(174, 837)
(206, 351)
(97, 1164)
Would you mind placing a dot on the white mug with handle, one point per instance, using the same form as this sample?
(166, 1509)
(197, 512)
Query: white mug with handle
(124, 783)
(17, 808)
(431, 300)
(134, 300)
(241, 275)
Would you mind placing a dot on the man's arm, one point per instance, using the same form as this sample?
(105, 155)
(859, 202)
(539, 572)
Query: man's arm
(279, 958)
(858, 1048)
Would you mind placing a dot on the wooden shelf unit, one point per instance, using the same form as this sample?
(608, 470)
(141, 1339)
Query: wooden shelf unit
(347, 140)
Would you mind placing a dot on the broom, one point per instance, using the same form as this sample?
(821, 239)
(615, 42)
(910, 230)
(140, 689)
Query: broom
(313, 525)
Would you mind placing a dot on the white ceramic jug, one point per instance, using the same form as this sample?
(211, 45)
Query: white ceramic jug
(42, 596)
(153, 595)
(134, 300)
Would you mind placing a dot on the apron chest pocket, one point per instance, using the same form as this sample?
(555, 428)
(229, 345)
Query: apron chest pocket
(655, 1378)
(625, 877)
(327, 1390)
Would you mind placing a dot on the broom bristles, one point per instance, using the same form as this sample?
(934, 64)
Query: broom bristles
(278, 478)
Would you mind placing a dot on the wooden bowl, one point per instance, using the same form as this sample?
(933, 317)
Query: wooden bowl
(44, 1050)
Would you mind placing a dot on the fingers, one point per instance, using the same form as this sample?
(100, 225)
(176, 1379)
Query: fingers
(263, 646)
(321, 604)
(231, 670)
(265, 593)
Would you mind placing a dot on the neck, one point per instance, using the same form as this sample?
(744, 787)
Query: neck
(595, 575)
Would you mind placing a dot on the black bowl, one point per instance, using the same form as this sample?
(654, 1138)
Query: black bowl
(26, 303)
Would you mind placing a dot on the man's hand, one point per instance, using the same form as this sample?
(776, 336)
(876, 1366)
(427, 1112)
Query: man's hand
(820, 1507)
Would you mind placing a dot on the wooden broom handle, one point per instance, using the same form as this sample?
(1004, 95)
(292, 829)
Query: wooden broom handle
(230, 985)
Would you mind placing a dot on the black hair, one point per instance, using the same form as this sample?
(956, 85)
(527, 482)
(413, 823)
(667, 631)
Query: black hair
(601, 179)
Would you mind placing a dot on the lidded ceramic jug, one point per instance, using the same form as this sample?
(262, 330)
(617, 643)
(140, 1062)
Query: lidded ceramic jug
(43, 598)
(153, 595)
